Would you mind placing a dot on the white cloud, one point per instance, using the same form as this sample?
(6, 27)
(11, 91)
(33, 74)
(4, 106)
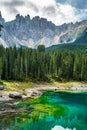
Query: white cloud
(63, 13)
(50, 9)
(42, 3)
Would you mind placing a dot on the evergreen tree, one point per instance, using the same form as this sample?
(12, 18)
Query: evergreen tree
(41, 48)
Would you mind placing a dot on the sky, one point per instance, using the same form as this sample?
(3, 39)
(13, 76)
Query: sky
(57, 11)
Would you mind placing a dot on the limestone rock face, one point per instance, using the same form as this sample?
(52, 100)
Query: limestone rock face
(27, 32)
(2, 21)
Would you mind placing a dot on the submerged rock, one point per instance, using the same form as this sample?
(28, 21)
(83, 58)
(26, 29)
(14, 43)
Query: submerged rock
(9, 105)
(7, 111)
(15, 95)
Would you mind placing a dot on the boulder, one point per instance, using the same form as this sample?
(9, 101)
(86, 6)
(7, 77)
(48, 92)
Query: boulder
(15, 95)
(0, 95)
(35, 93)
(2, 87)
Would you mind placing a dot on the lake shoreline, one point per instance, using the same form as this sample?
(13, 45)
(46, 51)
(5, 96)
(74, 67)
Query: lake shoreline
(34, 92)
(38, 91)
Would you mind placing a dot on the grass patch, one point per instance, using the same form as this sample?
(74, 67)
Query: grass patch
(20, 85)
(17, 85)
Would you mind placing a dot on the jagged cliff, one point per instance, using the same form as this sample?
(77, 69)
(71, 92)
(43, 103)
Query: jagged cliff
(27, 32)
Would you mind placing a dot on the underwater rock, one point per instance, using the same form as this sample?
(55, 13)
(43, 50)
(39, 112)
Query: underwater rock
(6, 111)
(9, 105)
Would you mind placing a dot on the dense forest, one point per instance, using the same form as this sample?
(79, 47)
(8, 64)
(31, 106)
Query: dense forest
(38, 64)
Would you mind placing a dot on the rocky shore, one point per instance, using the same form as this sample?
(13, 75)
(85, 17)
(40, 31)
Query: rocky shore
(9, 97)
(27, 93)
(37, 91)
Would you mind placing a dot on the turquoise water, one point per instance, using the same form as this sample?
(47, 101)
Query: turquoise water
(52, 111)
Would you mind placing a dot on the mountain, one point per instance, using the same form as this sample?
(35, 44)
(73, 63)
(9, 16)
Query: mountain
(82, 38)
(68, 47)
(27, 32)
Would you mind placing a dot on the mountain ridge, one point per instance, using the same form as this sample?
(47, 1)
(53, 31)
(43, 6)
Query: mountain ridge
(24, 31)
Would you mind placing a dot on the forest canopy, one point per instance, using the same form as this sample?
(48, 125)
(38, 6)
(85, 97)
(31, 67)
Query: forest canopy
(20, 64)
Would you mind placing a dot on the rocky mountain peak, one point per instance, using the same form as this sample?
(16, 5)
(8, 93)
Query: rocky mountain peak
(0, 15)
(27, 17)
(24, 31)
(19, 18)
(2, 21)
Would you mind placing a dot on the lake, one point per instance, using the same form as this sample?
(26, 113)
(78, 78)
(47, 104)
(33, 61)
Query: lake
(51, 111)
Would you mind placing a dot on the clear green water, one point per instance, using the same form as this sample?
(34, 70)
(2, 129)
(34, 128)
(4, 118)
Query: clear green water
(52, 111)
